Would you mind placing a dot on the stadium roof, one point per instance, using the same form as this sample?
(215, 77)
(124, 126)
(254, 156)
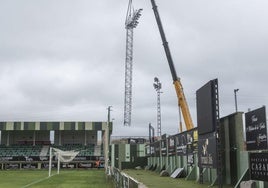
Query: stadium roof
(46, 125)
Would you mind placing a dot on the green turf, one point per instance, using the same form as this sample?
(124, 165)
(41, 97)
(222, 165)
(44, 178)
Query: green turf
(66, 179)
(153, 180)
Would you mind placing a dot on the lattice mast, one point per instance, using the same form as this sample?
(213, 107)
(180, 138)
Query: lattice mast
(130, 23)
(158, 86)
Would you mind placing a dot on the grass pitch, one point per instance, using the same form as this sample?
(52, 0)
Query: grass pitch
(66, 179)
(153, 180)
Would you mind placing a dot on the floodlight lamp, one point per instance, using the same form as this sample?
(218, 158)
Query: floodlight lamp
(136, 15)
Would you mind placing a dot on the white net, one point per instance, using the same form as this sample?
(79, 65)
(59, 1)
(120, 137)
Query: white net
(62, 156)
(65, 156)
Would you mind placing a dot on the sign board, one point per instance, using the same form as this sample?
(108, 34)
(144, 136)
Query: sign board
(192, 145)
(152, 150)
(171, 146)
(157, 149)
(207, 150)
(164, 147)
(192, 139)
(148, 150)
(256, 129)
(258, 165)
(206, 104)
(181, 144)
(190, 159)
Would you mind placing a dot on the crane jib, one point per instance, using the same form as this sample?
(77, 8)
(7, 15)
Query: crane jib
(165, 43)
(170, 62)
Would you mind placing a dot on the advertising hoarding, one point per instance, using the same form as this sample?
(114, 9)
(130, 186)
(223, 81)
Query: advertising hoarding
(206, 104)
(207, 151)
(258, 165)
(192, 145)
(164, 147)
(157, 149)
(256, 129)
(171, 146)
(181, 143)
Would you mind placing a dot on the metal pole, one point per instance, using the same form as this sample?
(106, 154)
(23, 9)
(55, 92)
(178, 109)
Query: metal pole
(58, 172)
(107, 141)
(235, 95)
(150, 136)
(50, 162)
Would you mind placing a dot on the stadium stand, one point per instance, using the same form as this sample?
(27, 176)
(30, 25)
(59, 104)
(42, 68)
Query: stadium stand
(25, 144)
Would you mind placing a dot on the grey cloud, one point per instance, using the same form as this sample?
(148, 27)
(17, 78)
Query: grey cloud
(65, 59)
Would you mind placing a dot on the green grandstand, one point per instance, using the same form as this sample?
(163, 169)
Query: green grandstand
(27, 144)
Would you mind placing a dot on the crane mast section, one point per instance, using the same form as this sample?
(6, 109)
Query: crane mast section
(128, 77)
(176, 81)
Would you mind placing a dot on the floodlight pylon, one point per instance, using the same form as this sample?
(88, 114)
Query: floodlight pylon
(130, 23)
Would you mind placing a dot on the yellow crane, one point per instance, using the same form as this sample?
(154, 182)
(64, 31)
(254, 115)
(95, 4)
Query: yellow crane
(176, 81)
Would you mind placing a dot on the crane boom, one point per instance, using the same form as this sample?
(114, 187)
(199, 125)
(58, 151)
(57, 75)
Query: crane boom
(176, 81)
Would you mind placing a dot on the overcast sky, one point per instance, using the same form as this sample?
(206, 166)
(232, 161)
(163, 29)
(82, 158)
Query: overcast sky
(63, 60)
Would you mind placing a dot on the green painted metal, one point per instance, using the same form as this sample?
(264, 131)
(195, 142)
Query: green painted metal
(244, 176)
(192, 175)
(214, 177)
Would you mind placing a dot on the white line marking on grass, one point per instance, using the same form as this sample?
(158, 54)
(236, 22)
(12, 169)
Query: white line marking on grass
(28, 185)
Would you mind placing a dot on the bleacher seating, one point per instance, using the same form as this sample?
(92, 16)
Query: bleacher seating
(19, 150)
(38, 151)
